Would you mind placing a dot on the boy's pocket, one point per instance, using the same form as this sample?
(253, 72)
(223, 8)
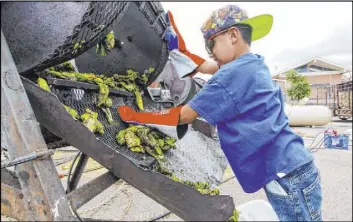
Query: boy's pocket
(275, 188)
(313, 198)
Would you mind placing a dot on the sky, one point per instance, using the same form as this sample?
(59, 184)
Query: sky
(301, 30)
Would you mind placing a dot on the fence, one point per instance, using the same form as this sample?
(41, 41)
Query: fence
(323, 94)
(326, 95)
(344, 100)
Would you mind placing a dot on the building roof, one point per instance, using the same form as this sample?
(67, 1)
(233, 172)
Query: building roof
(336, 68)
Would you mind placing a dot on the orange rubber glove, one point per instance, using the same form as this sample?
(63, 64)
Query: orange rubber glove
(176, 41)
(169, 117)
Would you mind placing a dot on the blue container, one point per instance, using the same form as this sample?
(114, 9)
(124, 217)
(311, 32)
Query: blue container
(336, 142)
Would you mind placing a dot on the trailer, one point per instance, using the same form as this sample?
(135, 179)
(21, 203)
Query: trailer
(34, 123)
(343, 108)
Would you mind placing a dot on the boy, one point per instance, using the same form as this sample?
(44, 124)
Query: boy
(246, 105)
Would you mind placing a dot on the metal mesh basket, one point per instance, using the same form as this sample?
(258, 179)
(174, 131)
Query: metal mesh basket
(93, 28)
(80, 100)
(44, 34)
(139, 39)
(183, 200)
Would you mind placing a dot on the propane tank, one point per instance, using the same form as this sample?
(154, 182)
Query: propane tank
(308, 115)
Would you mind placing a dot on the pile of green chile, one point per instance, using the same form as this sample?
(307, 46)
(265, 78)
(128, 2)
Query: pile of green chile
(137, 138)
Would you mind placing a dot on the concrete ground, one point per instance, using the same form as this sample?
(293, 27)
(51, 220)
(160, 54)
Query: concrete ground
(122, 202)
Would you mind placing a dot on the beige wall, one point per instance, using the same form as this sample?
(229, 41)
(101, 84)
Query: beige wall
(283, 87)
(322, 79)
(321, 93)
(335, 79)
(319, 79)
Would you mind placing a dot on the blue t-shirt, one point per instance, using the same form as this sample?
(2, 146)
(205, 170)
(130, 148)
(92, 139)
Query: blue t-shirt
(247, 107)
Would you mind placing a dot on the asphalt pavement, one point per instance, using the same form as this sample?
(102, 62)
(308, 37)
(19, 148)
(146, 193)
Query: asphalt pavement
(336, 173)
(122, 202)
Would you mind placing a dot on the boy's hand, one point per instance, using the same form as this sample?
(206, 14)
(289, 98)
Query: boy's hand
(186, 62)
(127, 114)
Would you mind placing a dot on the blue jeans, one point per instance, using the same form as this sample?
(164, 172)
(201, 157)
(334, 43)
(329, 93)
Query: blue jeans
(297, 196)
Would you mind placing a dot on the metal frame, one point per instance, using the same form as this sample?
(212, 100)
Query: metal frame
(33, 192)
(41, 193)
(344, 112)
(40, 185)
(29, 157)
(179, 198)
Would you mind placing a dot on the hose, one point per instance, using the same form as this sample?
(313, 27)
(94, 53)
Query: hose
(317, 147)
(160, 216)
(68, 183)
(311, 147)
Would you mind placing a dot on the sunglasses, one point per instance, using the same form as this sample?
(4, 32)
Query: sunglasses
(209, 44)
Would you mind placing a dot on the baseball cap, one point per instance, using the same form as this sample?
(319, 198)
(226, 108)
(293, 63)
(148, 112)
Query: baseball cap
(231, 15)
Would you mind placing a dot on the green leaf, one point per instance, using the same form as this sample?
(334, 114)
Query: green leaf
(300, 87)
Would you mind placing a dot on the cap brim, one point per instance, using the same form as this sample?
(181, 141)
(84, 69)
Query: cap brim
(261, 25)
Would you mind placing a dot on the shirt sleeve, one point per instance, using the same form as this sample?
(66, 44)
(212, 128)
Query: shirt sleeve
(214, 103)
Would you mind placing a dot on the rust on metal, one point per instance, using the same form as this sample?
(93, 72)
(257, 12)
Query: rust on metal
(26, 158)
(9, 178)
(12, 203)
(43, 193)
(177, 197)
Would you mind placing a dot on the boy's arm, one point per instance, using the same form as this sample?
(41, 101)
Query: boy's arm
(187, 115)
(213, 103)
(208, 67)
(186, 62)
(172, 117)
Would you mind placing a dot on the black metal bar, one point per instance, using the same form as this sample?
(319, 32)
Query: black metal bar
(349, 97)
(157, 19)
(76, 176)
(164, 33)
(184, 201)
(338, 100)
(326, 98)
(154, 7)
(88, 191)
(41, 187)
(318, 97)
(334, 100)
(26, 158)
(83, 85)
(142, 5)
